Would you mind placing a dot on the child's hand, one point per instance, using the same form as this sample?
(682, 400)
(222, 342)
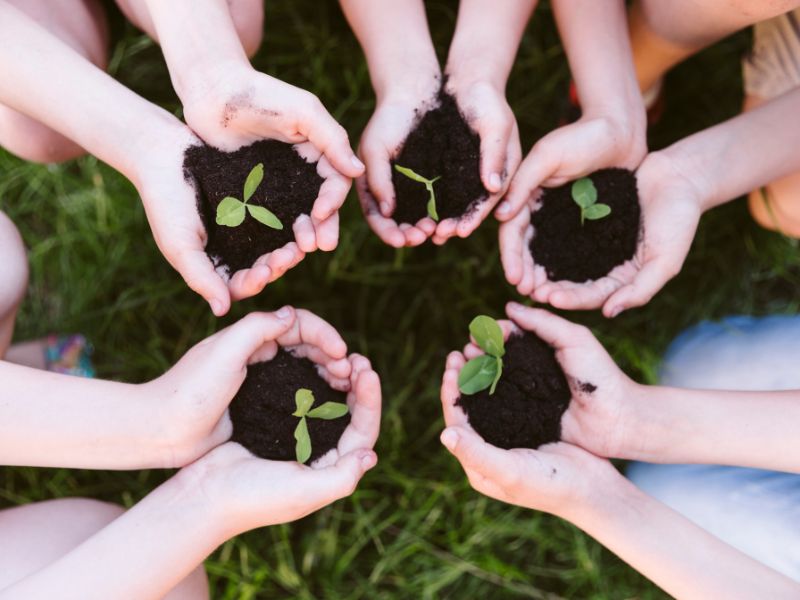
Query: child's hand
(572, 151)
(250, 492)
(233, 105)
(489, 114)
(381, 141)
(671, 208)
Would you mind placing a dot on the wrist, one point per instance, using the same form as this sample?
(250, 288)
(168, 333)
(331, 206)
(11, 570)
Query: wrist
(412, 77)
(158, 146)
(696, 169)
(611, 506)
(603, 487)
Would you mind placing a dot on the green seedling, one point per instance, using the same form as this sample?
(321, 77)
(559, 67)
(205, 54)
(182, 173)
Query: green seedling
(304, 400)
(232, 211)
(585, 196)
(428, 186)
(483, 371)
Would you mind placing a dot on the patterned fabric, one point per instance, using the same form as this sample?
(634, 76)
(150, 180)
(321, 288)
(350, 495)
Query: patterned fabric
(69, 355)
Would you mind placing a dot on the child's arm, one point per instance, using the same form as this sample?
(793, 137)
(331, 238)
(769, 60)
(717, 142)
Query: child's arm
(482, 52)
(226, 101)
(569, 482)
(52, 420)
(623, 419)
(611, 130)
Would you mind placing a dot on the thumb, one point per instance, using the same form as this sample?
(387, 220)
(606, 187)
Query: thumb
(331, 139)
(340, 480)
(199, 274)
(476, 456)
(650, 279)
(236, 344)
(494, 145)
(538, 166)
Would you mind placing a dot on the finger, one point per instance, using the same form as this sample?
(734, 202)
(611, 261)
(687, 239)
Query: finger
(512, 239)
(240, 341)
(339, 480)
(249, 282)
(283, 259)
(582, 296)
(427, 226)
(413, 236)
(494, 146)
(379, 176)
(453, 415)
(309, 329)
(470, 223)
(384, 228)
(533, 170)
(199, 274)
(331, 139)
(650, 279)
(332, 194)
(327, 232)
(557, 332)
(304, 233)
(496, 465)
(444, 231)
(365, 408)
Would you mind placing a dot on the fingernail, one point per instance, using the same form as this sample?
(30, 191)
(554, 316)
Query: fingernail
(357, 163)
(495, 182)
(284, 313)
(503, 208)
(216, 306)
(616, 311)
(449, 439)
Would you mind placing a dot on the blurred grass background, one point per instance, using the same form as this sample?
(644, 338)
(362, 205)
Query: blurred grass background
(414, 529)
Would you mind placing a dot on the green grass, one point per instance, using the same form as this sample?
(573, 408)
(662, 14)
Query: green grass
(414, 529)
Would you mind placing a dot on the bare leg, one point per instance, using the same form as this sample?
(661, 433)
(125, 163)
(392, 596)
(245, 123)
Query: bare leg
(665, 33)
(81, 25)
(13, 279)
(248, 18)
(35, 535)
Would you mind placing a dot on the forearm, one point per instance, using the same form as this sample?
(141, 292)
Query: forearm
(595, 38)
(673, 552)
(50, 82)
(196, 36)
(397, 43)
(484, 48)
(749, 429)
(53, 420)
(142, 555)
(742, 154)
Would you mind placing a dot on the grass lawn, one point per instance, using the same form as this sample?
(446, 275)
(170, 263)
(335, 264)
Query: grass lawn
(414, 529)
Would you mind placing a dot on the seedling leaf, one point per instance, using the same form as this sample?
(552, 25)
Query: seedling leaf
(478, 374)
(411, 174)
(230, 212)
(597, 211)
(432, 205)
(488, 335)
(584, 193)
(253, 180)
(328, 411)
(497, 376)
(303, 399)
(265, 216)
(302, 448)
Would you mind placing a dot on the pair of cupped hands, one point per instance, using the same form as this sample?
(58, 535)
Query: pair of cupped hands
(193, 425)
(237, 105)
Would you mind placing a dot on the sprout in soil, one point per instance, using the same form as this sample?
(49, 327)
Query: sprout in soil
(428, 186)
(231, 211)
(304, 399)
(483, 371)
(585, 196)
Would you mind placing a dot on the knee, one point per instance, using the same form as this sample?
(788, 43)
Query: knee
(775, 211)
(14, 277)
(248, 18)
(34, 141)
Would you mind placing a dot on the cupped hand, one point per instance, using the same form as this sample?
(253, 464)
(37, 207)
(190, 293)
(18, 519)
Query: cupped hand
(234, 105)
(575, 150)
(489, 115)
(381, 142)
(251, 492)
(671, 206)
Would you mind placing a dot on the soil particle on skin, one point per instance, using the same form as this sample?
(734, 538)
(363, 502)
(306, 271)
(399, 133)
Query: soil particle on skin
(586, 387)
(532, 394)
(289, 189)
(442, 145)
(569, 251)
(262, 409)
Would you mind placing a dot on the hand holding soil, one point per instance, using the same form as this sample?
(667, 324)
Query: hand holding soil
(233, 105)
(309, 356)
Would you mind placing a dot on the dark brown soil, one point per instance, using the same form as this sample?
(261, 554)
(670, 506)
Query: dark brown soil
(532, 394)
(441, 145)
(570, 251)
(289, 189)
(262, 410)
